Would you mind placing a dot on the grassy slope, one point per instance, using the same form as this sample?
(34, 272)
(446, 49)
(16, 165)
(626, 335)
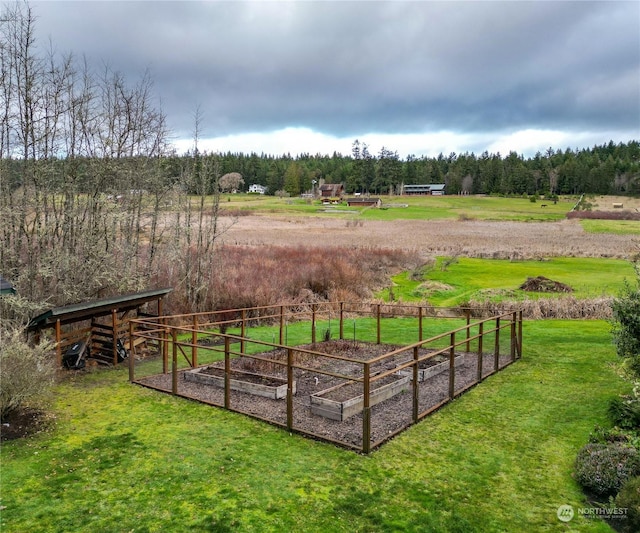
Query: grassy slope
(588, 277)
(123, 458)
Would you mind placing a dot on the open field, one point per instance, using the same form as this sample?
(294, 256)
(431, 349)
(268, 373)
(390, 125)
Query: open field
(500, 458)
(411, 207)
(472, 238)
(429, 207)
(473, 226)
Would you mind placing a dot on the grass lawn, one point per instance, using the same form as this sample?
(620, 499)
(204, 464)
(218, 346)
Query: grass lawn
(618, 227)
(410, 207)
(500, 458)
(468, 277)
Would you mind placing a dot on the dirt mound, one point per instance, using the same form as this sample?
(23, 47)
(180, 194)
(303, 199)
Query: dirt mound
(433, 286)
(542, 284)
(24, 422)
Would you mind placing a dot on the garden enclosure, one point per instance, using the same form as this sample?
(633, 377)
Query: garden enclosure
(340, 372)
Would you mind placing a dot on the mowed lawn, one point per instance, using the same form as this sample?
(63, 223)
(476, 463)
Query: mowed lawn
(467, 278)
(124, 458)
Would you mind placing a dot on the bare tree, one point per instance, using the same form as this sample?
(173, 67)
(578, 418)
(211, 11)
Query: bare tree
(199, 230)
(68, 139)
(231, 182)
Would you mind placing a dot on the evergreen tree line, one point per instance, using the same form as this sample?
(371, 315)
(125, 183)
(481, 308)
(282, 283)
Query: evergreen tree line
(607, 169)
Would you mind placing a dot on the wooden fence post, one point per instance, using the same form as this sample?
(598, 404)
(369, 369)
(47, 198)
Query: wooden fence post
(420, 323)
(313, 323)
(194, 342)
(114, 336)
(452, 366)
(341, 320)
(58, 341)
(227, 374)
(496, 349)
(366, 411)
(174, 363)
(416, 390)
(281, 324)
(519, 334)
(131, 352)
(514, 340)
(378, 324)
(289, 389)
(480, 338)
(243, 318)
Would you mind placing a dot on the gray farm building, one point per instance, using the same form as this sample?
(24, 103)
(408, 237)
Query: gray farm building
(433, 189)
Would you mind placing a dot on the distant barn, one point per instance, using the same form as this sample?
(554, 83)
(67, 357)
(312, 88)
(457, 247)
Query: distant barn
(432, 189)
(331, 190)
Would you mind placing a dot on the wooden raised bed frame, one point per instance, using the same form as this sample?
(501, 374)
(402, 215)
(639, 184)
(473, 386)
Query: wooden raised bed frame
(276, 392)
(340, 411)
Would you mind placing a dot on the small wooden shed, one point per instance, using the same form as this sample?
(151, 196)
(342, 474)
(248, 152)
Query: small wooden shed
(364, 202)
(103, 324)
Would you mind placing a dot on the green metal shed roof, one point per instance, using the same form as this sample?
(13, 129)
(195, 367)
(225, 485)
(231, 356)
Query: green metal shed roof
(6, 287)
(86, 310)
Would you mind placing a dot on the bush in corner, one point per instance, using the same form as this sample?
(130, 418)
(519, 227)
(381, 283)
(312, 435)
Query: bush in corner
(624, 411)
(626, 323)
(27, 372)
(604, 468)
(629, 498)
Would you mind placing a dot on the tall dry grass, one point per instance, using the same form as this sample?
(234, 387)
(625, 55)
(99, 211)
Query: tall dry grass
(471, 238)
(247, 276)
(562, 307)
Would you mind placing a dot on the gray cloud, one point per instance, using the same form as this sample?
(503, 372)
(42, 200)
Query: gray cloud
(344, 68)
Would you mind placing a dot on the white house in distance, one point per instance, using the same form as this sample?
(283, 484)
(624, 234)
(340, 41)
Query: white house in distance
(259, 189)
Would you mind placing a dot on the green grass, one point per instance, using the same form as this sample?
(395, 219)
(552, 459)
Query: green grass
(617, 227)
(468, 277)
(418, 207)
(500, 458)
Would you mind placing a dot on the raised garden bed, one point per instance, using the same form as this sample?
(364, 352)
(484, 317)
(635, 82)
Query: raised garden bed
(258, 384)
(434, 367)
(345, 400)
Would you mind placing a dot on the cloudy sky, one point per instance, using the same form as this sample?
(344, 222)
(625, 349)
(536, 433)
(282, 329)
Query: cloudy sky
(416, 77)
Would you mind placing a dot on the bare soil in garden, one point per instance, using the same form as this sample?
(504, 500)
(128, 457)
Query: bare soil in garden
(387, 417)
(258, 379)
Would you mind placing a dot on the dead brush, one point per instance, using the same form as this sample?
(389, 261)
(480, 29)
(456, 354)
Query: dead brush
(563, 307)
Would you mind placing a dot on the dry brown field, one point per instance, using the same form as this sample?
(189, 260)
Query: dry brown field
(472, 238)
(605, 203)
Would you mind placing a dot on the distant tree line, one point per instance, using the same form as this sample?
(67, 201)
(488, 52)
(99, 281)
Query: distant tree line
(606, 169)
